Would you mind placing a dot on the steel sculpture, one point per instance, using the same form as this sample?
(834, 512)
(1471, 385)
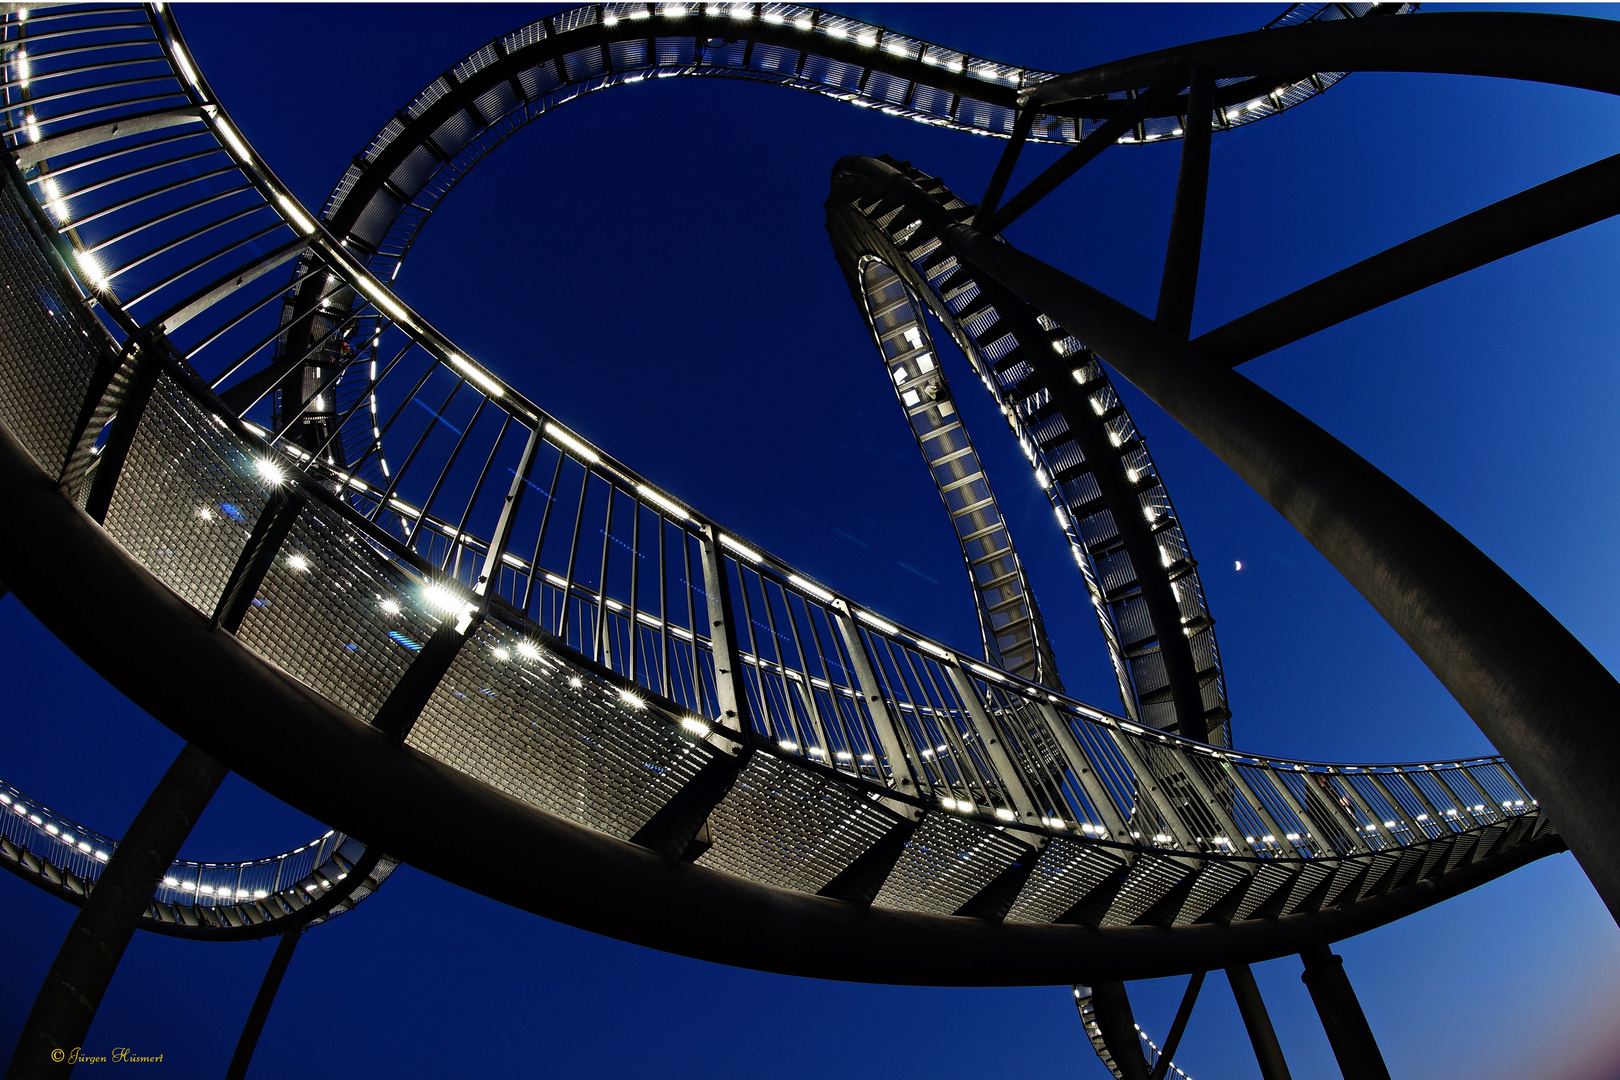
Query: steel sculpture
(656, 705)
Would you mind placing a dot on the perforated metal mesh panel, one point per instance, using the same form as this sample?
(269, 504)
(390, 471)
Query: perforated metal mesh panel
(787, 826)
(1266, 883)
(1065, 873)
(511, 715)
(338, 613)
(1312, 875)
(46, 354)
(1145, 886)
(946, 862)
(187, 497)
(1215, 882)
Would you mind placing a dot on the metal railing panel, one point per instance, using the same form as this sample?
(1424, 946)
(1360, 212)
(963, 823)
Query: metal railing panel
(516, 714)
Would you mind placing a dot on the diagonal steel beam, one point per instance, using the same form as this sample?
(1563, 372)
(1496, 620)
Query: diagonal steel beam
(1099, 140)
(1572, 201)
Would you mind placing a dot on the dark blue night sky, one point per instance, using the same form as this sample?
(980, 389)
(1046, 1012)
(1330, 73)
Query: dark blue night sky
(650, 264)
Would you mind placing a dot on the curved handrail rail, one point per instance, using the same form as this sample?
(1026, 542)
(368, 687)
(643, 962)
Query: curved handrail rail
(1126, 826)
(196, 898)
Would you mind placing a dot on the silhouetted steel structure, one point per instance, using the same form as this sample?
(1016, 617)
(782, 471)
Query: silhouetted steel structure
(502, 638)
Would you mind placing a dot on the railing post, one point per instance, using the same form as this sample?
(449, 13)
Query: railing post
(730, 684)
(270, 531)
(882, 719)
(129, 404)
(1235, 771)
(1148, 788)
(991, 736)
(1085, 771)
(410, 695)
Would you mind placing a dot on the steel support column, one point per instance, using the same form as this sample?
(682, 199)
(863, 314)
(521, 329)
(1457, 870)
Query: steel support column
(1113, 1009)
(1179, 285)
(1178, 1026)
(261, 1005)
(1258, 1022)
(1346, 1025)
(89, 956)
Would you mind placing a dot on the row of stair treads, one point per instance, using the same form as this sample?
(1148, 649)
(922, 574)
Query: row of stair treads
(187, 497)
(1264, 886)
(1066, 872)
(46, 356)
(789, 827)
(946, 863)
(1148, 881)
(339, 613)
(1216, 881)
(555, 735)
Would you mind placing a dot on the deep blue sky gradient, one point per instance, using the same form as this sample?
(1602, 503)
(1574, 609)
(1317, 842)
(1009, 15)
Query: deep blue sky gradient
(650, 263)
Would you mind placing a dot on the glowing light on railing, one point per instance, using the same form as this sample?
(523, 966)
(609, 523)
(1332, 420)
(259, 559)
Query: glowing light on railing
(389, 607)
(91, 269)
(232, 139)
(788, 745)
(816, 751)
(53, 197)
(803, 24)
(572, 442)
(269, 472)
(989, 673)
(837, 32)
(695, 726)
(472, 371)
(528, 650)
(740, 549)
(868, 757)
(1389, 824)
(186, 69)
(445, 600)
(379, 296)
(259, 894)
(33, 128)
(773, 18)
(52, 829)
(812, 588)
(844, 755)
(876, 623)
(1005, 815)
(673, 11)
(664, 503)
(897, 50)
(299, 563)
(576, 682)
(500, 654)
(1162, 838)
(173, 883)
(868, 40)
(300, 219)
